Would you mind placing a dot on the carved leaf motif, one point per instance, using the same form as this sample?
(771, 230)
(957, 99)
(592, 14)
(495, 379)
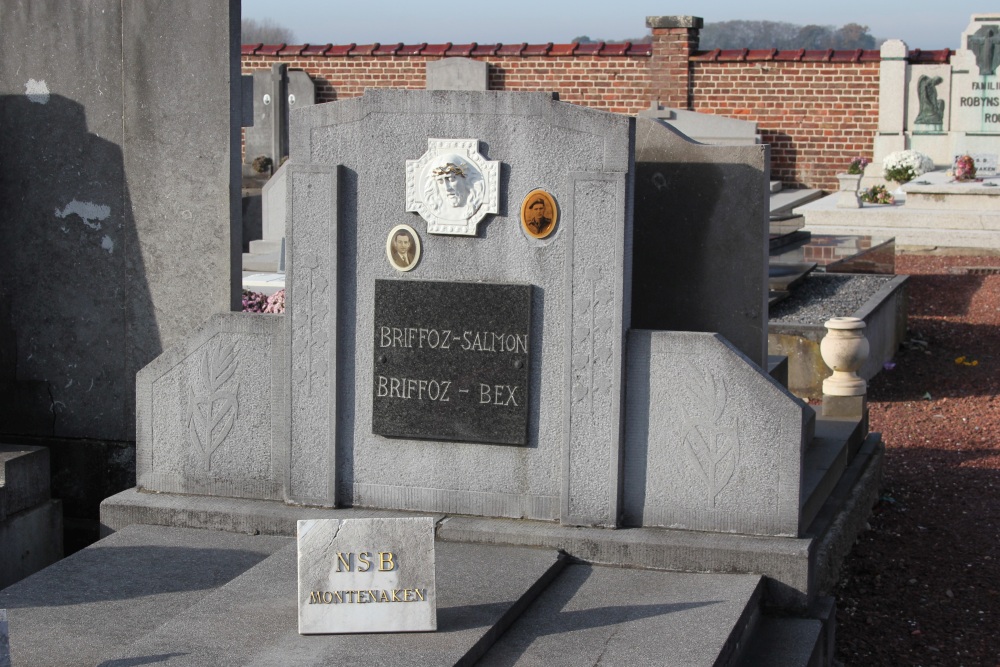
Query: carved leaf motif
(602, 384)
(579, 391)
(211, 416)
(714, 453)
(603, 295)
(580, 361)
(580, 334)
(603, 353)
(195, 422)
(582, 305)
(603, 324)
(592, 273)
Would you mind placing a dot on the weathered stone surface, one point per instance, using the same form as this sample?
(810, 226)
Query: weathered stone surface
(30, 540)
(457, 74)
(597, 615)
(704, 256)
(366, 575)
(136, 233)
(211, 414)
(114, 592)
(711, 443)
(580, 300)
(4, 640)
(24, 478)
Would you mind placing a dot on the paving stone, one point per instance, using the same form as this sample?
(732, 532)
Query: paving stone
(613, 616)
(108, 595)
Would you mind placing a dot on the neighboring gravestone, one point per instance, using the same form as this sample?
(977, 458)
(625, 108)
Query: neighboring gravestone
(705, 128)
(120, 195)
(701, 244)
(457, 74)
(273, 197)
(4, 640)
(941, 109)
(366, 575)
(276, 92)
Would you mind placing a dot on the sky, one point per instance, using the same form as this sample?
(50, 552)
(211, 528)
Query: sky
(921, 24)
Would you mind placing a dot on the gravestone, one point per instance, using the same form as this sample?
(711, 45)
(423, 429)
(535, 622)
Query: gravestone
(4, 640)
(941, 109)
(276, 92)
(137, 235)
(457, 74)
(439, 357)
(366, 575)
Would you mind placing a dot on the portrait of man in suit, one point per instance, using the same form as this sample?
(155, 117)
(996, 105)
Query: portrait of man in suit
(402, 248)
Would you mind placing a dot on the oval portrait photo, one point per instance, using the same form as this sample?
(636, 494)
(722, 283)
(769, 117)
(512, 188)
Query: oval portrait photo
(539, 214)
(402, 247)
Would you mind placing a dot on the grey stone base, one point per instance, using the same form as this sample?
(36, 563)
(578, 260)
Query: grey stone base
(201, 597)
(797, 569)
(30, 540)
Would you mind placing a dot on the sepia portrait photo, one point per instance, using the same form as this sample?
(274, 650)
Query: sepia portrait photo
(402, 247)
(539, 214)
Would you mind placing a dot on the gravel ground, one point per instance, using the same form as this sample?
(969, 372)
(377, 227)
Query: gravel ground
(922, 586)
(824, 295)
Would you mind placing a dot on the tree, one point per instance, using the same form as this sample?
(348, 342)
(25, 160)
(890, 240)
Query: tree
(854, 36)
(267, 31)
(780, 35)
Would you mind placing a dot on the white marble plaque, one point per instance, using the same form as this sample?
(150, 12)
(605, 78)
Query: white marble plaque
(366, 575)
(452, 186)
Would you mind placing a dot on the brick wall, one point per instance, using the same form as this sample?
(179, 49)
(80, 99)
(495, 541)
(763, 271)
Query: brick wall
(815, 112)
(609, 77)
(817, 109)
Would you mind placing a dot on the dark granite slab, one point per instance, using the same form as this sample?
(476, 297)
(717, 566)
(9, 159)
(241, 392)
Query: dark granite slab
(451, 361)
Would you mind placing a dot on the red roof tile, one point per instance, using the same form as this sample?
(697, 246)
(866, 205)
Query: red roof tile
(790, 56)
(460, 50)
(761, 54)
(536, 49)
(341, 49)
(615, 49)
(486, 49)
(316, 49)
(591, 49)
(817, 56)
(387, 49)
(269, 49)
(293, 50)
(436, 49)
(511, 49)
(249, 49)
(563, 49)
(411, 49)
(941, 56)
(641, 49)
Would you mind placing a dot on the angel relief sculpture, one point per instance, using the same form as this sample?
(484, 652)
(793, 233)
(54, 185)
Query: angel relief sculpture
(452, 186)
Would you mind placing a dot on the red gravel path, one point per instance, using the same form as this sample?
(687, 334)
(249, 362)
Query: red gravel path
(922, 587)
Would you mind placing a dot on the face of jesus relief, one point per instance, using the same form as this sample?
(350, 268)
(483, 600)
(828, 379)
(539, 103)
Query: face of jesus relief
(452, 185)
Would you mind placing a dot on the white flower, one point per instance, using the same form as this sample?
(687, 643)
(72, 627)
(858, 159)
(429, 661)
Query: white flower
(916, 162)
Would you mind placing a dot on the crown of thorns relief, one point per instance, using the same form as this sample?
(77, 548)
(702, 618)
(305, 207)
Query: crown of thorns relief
(449, 169)
(452, 186)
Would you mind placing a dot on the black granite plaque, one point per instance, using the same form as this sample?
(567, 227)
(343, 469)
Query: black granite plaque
(451, 361)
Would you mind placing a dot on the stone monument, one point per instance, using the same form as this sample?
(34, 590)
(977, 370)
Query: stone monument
(439, 356)
(943, 109)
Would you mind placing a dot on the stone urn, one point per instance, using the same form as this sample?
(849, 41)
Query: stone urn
(848, 197)
(844, 350)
